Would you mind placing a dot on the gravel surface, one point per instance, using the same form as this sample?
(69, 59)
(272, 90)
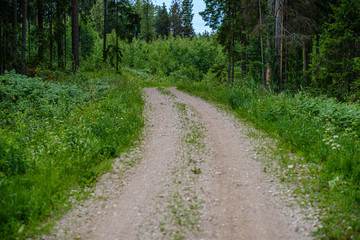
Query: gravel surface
(193, 176)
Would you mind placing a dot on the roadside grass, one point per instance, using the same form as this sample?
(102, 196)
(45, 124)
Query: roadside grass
(322, 136)
(146, 79)
(165, 92)
(57, 137)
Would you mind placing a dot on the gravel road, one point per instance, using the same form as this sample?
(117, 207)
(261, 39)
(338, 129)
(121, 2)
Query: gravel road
(192, 176)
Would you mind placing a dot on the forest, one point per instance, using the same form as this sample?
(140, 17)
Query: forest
(72, 73)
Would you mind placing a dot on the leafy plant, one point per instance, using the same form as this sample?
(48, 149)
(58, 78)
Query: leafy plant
(58, 136)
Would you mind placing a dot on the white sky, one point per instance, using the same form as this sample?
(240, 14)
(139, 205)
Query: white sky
(199, 6)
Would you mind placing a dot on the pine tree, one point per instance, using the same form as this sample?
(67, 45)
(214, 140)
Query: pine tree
(175, 18)
(146, 25)
(335, 68)
(162, 21)
(223, 15)
(23, 40)
(75, 34)
(187, 18)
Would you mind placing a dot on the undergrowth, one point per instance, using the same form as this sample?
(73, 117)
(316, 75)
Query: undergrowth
(322, 132)
(56, 136)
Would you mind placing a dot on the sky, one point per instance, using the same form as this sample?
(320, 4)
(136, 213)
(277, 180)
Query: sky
(199, 6)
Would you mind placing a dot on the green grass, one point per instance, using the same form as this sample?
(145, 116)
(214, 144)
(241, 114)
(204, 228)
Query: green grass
(321, 132)
(59, 136)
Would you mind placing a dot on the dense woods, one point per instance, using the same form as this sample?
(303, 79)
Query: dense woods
(311, 44)
(292, 67)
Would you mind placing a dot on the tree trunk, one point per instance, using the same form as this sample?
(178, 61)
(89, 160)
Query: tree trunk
(282, 43)
(286, 63)
(262, 49)
(75, 35)
(268, 44)
(105, 30)
(51, 36)
(29, 33)
(233, 22)
(65, 39)
(229, 53)
(14, 26)
(23, 48)
(305, 62)
(59, 34)
(40, 18)
(117, 39)
(278, 30)
(2, 47)
(243, 54)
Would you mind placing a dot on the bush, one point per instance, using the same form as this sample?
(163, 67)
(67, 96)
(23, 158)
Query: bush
(324, 132)
(54, 136)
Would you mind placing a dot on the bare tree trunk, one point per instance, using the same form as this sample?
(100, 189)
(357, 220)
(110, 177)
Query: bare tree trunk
(23, 48)
(75, 34)
(117, 39)
(105, 30)
(262, 49)
(282, 44)
(268, 44)
(14, 26)
(65, 39)
(2, 47)
(29, 33)
(59, 32)
(51, 36)
(233, 14)
(278, 40)
(286, 63)
(232, 58)
(40, 19)
(306, 62)
(229, 53)
(243, 55)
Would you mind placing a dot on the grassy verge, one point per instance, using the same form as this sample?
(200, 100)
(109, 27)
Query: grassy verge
(59, 136)
(320, 132)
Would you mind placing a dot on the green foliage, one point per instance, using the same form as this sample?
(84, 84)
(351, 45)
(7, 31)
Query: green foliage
(183, 59)
(58, 136)
(335, 68)
(147, 32)
(324, 132)
(175, 18)
(97, 14)
(162, 21)
(187, 18)
(87, 38)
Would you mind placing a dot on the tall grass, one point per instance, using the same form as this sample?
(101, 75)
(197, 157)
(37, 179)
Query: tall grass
(322, 131)
(58, 136)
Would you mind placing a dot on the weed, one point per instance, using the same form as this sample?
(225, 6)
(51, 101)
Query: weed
(321, 132)
(196, 170)
(59, 136)
(165, 92)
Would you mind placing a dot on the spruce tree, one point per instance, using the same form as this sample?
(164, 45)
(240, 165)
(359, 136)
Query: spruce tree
(162, 21)
(187, 18)
(175, 18)
(147, 25)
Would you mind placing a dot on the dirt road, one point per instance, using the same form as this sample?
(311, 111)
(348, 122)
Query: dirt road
(192, 177)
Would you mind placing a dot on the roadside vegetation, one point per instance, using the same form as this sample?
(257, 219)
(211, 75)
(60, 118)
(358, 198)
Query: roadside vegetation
(56, 137)
(320, 132)
(294, 74)
(323, 136)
